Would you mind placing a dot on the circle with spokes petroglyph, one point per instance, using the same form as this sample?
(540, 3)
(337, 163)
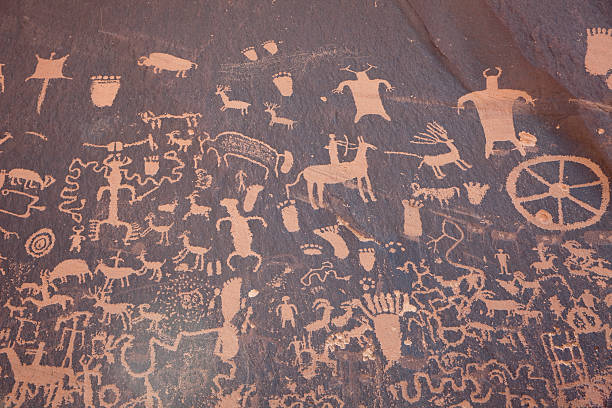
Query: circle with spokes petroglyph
(560, 191)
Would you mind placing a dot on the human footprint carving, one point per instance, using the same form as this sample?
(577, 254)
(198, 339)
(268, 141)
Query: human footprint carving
(331, 235)
(270, 46)
(598, 57)
(250, 53)
(365, 93)
(284, 83)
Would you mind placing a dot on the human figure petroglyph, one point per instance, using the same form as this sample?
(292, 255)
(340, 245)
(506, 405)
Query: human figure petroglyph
(189, 248)
(502, 259)
(116, 272)
(47, 69)
(271, 109)
(240, 178)
(365, 93)
(167, 62)
(71, 332)
(114, 173)
(546, 261)
(433, 135)
(240, 230)
(222, 91)
(76, 238)
(318, 176)
(494, 107)
(163, 230)
(286, 311)
(46, 298)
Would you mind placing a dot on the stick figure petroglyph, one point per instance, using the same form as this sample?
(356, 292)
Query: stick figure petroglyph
(502, 258)
(365, 93)
(241, 232)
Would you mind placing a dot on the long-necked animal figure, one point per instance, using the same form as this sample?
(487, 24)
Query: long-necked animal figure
(320, 175)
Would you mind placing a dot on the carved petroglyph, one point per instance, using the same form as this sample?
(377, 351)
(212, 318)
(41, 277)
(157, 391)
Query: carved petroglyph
(103, 89)
(284, 83)
(166, 62)
(598, 57)
(317, 176)
(189, 248)
(365, 93)
(494, 107)
(271, 109)
(240, 230)
(558, 190)
(476, 192)
(234, 144)
(156, 121)
(47, 69)
(433, 135)
(40, 243)
(29, 179)
(222, 91)
(162, 230)
(443, 195)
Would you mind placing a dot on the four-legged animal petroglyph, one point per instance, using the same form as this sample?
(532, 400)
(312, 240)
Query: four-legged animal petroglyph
(222, 91)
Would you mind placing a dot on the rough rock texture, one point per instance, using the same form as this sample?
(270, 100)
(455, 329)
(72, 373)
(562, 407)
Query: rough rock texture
(283, 203)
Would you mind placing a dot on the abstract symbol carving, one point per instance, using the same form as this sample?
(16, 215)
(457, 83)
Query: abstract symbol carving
(559, 191)
(40, 243)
